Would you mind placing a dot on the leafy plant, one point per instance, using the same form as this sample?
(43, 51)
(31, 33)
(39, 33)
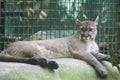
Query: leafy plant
(115, 60)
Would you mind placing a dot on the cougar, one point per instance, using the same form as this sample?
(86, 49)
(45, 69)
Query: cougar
(80, 45)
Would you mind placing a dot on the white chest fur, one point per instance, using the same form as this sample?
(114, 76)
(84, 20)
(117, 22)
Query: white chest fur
(93, 47)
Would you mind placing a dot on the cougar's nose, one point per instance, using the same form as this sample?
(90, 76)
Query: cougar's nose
(86, 34)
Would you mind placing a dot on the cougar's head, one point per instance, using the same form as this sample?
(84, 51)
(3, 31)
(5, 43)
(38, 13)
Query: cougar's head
(87, 30)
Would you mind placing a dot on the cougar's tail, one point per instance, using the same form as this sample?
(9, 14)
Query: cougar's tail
(7, 58)
(34, 61)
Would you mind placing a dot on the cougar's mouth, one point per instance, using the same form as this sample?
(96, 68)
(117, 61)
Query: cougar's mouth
(86, 38)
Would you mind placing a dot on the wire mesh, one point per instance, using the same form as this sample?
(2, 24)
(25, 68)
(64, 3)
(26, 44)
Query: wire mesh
(46, 19)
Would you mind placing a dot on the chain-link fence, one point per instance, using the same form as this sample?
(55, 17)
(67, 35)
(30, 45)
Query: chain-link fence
(46, 19)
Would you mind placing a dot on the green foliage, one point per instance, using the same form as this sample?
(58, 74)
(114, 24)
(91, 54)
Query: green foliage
(63, 12)
(114, 59)
(60, 15)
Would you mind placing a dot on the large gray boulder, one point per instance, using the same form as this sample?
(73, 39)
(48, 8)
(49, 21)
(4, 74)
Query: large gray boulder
(70, 69)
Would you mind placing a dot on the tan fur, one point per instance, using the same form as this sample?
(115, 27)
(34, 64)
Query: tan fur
(81, 45)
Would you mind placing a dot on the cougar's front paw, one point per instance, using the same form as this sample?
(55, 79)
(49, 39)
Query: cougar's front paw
(107, 58)
(102, 73)
(52, 65)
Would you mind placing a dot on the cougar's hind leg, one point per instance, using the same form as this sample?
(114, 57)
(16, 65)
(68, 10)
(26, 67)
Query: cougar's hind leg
(90, 59)
(43, 63)
(52, 65)
(34, 61)
(38, 61)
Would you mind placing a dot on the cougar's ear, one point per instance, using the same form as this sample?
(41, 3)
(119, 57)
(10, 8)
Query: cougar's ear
(77, 22)
(96, 20)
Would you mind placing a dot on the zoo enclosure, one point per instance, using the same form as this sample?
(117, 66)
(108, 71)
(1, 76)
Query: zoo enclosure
(45, 19)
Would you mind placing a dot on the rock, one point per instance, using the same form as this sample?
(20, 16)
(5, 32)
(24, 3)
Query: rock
(70, 69)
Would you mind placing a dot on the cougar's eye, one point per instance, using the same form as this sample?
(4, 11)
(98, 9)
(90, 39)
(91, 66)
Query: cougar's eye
(82, 29)
(90, 29)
